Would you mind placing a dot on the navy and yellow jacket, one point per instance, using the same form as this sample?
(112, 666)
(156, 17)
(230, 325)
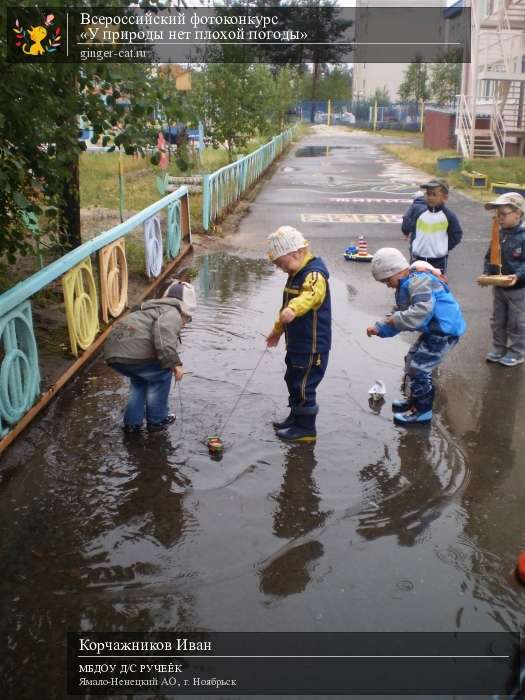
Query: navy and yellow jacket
(307, 293)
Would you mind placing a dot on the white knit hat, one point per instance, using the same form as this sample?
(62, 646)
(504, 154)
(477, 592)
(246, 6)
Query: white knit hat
(185, 293)
(286, 239)
(387, 262)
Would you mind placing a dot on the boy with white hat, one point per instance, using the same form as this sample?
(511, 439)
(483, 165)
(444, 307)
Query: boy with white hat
(305, 318)
(143, 346)
(423, 303)
(508, 317)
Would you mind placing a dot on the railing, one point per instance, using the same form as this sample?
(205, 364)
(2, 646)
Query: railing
(225, 186)
(498, 131)
(464, 125)
(19, 364)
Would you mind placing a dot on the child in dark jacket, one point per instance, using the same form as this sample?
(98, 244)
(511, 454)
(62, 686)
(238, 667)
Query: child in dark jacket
(305, 319)
(143, 346)
(508, 316)
(433, 229)
(423, 303)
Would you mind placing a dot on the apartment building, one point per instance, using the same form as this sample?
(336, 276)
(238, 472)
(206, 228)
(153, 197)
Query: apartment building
(368, 77)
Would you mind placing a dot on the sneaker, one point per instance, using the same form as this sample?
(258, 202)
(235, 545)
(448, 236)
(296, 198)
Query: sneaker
(412, 417)
(401, 406)
(170, 418)
(129, 429)
(494, 356)
(509, 361)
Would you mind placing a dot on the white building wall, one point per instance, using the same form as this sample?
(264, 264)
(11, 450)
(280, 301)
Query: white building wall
(368, 77)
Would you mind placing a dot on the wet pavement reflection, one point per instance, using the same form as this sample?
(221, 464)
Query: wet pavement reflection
(373, 528)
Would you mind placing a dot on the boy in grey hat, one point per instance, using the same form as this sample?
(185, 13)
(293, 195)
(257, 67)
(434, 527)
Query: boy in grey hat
(143, 346)
(423, 303)
(508, 316)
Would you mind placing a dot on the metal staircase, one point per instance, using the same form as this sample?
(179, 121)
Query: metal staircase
(496, 83)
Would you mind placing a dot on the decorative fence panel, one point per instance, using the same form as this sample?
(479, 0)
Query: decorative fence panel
(19, 365)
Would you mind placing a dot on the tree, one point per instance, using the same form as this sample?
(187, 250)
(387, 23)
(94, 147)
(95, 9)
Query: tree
(336, 84)
(415, 82)
(42, 105)
(321, 20)
(381, 96)
(285, 94)
(445, 82)
(232, 100)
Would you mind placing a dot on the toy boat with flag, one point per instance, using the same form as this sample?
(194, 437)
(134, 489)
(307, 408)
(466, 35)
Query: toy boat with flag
(359, 252)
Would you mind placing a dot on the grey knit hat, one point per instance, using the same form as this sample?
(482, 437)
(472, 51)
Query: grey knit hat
(185, 293)
(387, 262)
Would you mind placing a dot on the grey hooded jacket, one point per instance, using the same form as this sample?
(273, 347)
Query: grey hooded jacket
(149, 333)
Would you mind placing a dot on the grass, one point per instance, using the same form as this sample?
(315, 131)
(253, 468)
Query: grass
(99, 179)
(496, 169)
(99, 176)
(391, 133)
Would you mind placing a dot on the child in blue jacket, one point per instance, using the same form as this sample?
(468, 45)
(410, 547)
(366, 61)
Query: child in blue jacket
(423, 303)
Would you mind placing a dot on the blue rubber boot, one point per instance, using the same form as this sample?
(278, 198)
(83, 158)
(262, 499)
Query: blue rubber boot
(303, 427)
(412, 417)
(420, 411)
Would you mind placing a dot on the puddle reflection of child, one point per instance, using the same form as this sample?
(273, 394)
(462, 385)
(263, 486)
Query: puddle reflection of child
(306, 319)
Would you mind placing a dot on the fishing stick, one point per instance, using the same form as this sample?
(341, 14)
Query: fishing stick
(223, 426)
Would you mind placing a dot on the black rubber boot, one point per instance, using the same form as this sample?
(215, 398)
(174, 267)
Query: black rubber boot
(303, 428)
(286, 423)
(402, 405)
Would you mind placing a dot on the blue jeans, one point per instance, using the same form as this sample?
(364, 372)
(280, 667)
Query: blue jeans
(303, 374)
(149, 390)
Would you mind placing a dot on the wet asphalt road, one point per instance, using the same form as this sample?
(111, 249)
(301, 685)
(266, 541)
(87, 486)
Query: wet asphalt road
(376, 528)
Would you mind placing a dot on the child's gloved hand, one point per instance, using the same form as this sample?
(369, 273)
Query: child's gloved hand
(372, 330)
(272, 339)
(287, 315)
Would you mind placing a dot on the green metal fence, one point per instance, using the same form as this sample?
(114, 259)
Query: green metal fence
(225, 186)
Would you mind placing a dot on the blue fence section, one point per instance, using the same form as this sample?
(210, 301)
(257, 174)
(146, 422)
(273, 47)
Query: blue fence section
(361, 113)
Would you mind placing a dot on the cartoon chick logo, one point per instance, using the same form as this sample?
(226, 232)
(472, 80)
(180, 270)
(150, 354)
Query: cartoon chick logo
(33, 41)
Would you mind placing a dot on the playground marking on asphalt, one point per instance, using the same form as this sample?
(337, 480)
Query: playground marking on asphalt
(351, 218)
(370, 200)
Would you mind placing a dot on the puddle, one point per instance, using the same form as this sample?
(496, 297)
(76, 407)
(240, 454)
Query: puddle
(107, 532)
(317, 151)
(312, 151)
